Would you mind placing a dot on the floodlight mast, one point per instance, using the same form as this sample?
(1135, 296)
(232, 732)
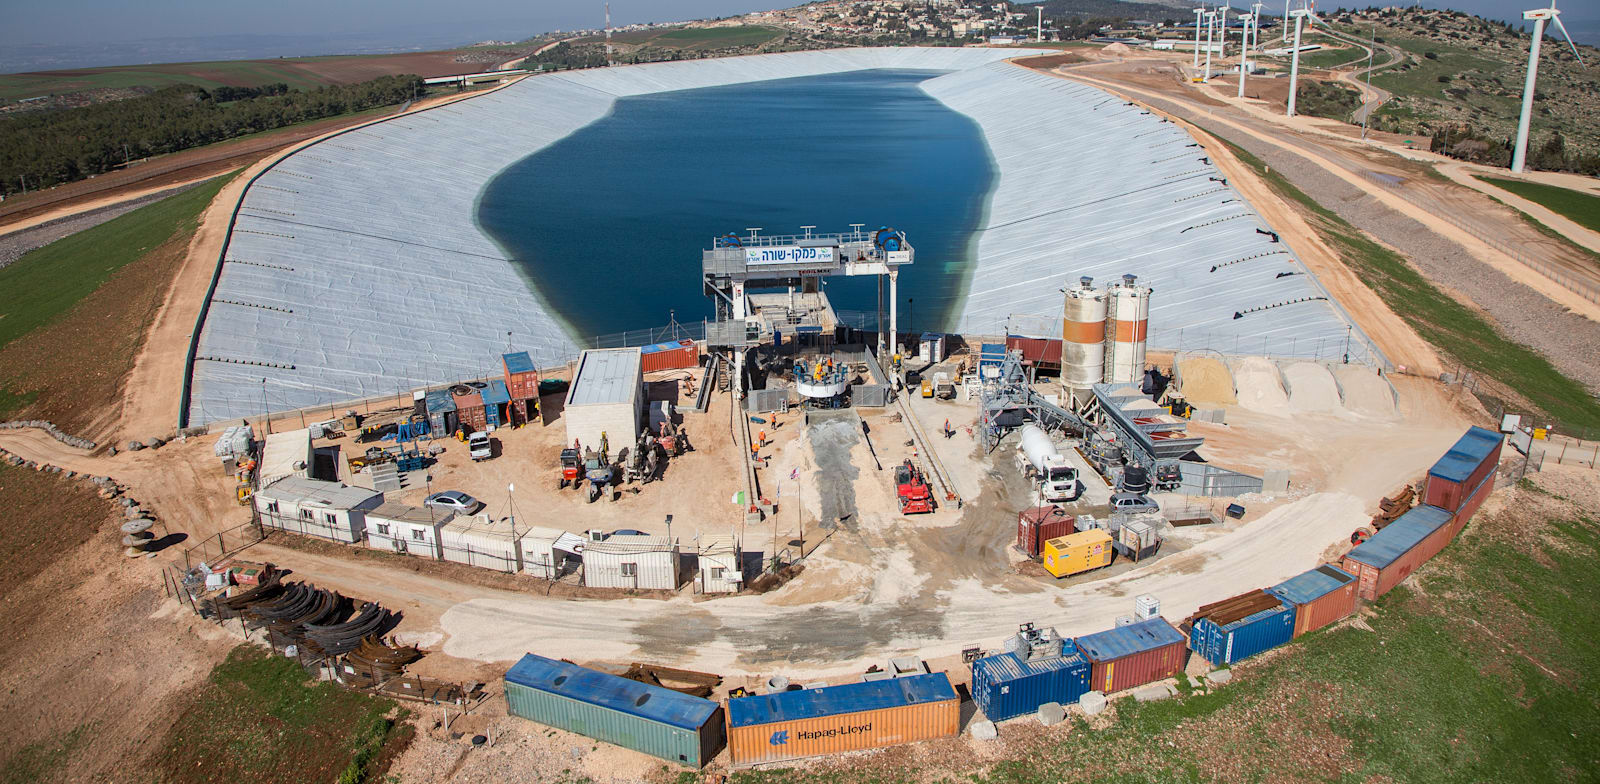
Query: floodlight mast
(1538, 16)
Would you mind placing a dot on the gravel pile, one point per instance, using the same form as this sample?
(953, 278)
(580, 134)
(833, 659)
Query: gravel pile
(1258, 385)
(1311, 387)
(1365, 392)
(1206, 380)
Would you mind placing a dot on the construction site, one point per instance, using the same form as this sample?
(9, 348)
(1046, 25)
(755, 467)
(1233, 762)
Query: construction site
(1165, 431)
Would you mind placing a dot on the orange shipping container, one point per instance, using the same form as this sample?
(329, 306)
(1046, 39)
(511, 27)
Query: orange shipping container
(836, 719)
(1321, 596)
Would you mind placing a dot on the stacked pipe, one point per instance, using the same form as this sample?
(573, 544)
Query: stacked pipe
(378, 662)
(337, 639)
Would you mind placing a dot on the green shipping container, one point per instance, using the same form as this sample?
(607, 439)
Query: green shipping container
(661, 722)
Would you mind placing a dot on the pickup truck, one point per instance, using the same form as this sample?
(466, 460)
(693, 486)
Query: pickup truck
(479, 446)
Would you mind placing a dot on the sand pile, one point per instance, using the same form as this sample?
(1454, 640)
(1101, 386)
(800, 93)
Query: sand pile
(1365, 392)
(1118, 49)
(1206, 380)
(1259, 386)
(1311, 387)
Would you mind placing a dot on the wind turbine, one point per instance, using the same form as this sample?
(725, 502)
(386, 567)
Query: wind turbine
(1539, 17)
(1198, 12)
(1244, 50)
(1300, 15)
(1211, 26)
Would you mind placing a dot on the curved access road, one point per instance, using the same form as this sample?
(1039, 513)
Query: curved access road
(1371, 97)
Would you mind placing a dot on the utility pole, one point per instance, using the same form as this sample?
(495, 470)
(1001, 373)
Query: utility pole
(1371, 47)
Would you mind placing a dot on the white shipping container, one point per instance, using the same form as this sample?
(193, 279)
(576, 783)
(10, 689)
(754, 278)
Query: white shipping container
(627, 561)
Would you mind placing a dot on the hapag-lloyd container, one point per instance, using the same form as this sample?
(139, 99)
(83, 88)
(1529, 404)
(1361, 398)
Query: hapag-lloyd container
(1462, 469)
(1133, 655)
(1324, 595)
(835, 719)
(1380, 563)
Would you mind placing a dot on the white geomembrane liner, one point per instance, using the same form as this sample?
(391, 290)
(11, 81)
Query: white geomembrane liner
(356, 267)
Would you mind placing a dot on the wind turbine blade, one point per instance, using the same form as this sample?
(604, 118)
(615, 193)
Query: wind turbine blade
(1574, 47)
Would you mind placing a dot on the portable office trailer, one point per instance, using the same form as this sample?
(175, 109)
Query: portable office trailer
(441, 408)
(482, 541)
(791, 725)
(310, 507)
(640, 716)
(631, 561)
(1132, 655)
(284, 454)
(1009, 684)
(545, 551)
(606, 396)
(1462, 469)
(1040, 524)
(1235, 629)
(1380, 563)
(1074, 553)
(719, 564)
(1321, 596)
(408, 530)
(669, 356)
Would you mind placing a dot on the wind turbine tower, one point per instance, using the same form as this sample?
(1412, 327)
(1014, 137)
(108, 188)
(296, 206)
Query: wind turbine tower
(1198, 12)
(608, 35)
(1300, 15)
(1244, 50)
(1539, 16)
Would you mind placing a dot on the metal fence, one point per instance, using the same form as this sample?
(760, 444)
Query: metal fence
(1519, 250)
(1211, 481)
(222, 544)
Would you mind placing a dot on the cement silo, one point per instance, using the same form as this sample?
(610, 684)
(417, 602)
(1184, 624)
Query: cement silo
(1127, 325)
(1083, 339)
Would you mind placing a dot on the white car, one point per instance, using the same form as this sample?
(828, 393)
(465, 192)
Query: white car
(479, 446)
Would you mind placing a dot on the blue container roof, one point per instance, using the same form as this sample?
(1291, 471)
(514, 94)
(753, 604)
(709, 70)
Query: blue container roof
(1127, 640)
(1008, 666)
(440, 400)
(1469, 452)
(926, 336)
(518, 362)
(835, 700)
(611, 691)
(495, 393)
(1396, 539)
(1312, 585)
(656, 348)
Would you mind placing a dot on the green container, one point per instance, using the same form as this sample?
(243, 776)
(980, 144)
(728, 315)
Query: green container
(660, 722)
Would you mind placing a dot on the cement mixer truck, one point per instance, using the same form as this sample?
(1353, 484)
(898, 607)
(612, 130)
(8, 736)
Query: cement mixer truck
(1038, 459)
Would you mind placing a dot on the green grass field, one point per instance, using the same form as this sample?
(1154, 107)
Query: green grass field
(47, 282)
(1452, 326)
(1481, 667)
(1329, 58)
(697, 37)
(260, 718)
(203, 74)
(1580, 208)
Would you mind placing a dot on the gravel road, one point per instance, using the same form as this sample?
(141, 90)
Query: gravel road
(13, 246)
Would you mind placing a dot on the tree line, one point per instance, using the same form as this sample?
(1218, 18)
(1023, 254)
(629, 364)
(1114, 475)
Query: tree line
(42, 149)
(1470, 144)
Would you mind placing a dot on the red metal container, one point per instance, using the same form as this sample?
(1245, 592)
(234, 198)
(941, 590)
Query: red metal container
(838, 719)
(1392, 554)
(669, 356)
(1462, 469)
(1470, 506)
(1130, 656)
(522, 379)
(1042, 352)
(1040, 524)
(469, 410)
(1321, 596)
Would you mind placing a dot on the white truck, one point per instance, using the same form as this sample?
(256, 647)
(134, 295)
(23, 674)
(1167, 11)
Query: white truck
(1039, 459)
(479, 447)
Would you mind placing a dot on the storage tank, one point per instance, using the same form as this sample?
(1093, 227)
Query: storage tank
(1127, 325)
(1083, 339)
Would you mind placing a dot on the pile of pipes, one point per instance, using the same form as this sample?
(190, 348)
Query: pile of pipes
(296, 606)
(235, 605)
(375, 662)
(337, 639)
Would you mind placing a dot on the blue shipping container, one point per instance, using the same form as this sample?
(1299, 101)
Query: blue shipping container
(1467, 455)
(1397, 538)
(1006, 685)
(1246, 637)
(494, 396)
(518, 362)
(640, 716)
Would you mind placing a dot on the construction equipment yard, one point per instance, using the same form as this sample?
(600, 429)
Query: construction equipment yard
(751, 526)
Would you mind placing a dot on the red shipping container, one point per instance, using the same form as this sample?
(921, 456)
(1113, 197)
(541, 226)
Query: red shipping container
(1130, 656)
(1043, 352)
(1321, 596)
(469, 410)
(1473, 503)
(1450, 482)
(669, 356)
(1392, 554)
(522, 379)
(1040, 524)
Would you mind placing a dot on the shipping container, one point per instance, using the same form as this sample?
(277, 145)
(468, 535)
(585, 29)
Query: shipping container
(1452, 479)
(669, 356)
(469, 407)
(1321, 596)
(1392, 554)
(441, 407)
(1133, 655)
(1040, 524)
(655, 720)
(522, 378)
(835, 719)
(1470, 506)
(1074, 553)
(1236, 629)
(1009, 684)
(1044, 353)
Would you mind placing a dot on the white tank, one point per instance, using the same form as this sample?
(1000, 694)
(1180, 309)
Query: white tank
(1083, 337)
(1127, 325)
(1037, 446)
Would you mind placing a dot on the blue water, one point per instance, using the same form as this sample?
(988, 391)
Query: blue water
(610, 221)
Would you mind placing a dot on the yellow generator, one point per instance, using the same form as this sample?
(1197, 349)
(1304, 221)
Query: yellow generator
(1067, 555)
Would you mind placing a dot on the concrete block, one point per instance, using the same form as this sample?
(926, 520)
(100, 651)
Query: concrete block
(1159, 691)
(1052, 713)
(984, 730)
(1220, 677)
(1275, 481)
(1092, 702)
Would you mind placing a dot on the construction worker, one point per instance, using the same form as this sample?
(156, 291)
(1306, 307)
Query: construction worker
(762, 438)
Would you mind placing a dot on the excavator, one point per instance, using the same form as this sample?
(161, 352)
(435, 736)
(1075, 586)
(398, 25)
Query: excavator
(912, 489)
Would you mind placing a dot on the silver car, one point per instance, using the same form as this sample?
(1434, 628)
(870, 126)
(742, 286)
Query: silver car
(455, 501)
(1133, 502)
